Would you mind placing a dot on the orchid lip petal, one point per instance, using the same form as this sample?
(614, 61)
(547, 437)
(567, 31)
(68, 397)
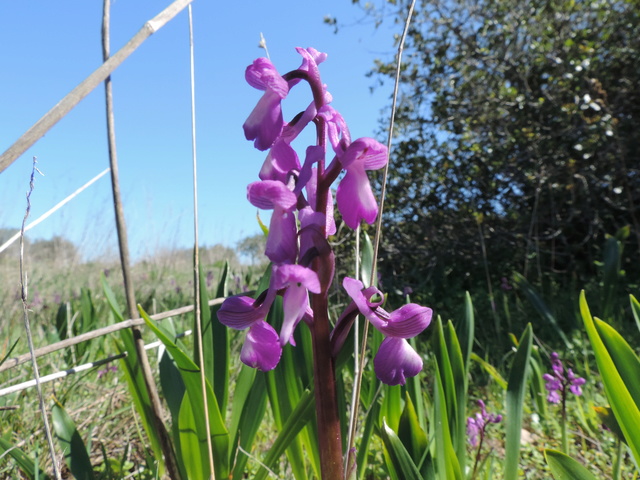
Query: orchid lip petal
(395, 361)
(355, 198)
(261, 348)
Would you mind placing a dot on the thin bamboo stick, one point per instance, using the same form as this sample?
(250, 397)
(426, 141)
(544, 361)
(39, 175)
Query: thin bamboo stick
(74, 97)
(100, 332)
(77, 369)
(52, 210)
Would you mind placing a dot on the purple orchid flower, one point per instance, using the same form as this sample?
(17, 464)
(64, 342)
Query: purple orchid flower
(282, 246)
(557, 383)
(396, 359)
(263, 346)
(265, 121)
(477, 425)
(354, 196)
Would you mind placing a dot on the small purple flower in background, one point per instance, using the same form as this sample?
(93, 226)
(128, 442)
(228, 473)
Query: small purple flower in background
(103, 372)
(209, 278)
(477, 429)
(57, 298)
(557, 383)
(504, 284)
(477, 424)
(106, 272)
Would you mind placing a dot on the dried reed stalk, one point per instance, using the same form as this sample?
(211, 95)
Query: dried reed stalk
(27, 327)
(196, 253)
(156, 407)
(376, 242)
(74, 97)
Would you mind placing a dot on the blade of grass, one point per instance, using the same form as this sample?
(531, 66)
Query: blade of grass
(191, 377)
(300, 416)
(402, 462)
(75, 451)
(516, 389)
(27, 465)
(564, 467)
(622, 403)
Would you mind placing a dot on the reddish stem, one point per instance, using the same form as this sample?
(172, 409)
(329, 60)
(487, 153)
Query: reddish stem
(329, 435)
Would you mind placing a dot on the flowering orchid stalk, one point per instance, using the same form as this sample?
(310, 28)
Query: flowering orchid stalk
(477, 429)
(297, 188)
(558, 385)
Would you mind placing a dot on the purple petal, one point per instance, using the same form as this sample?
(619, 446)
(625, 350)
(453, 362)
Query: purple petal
(407, 321)
(298, 281)
(363, 299)
(282, 245)
(240, 312)
(281, 160)
(395, 361)
(261, 74)
(311, 187)
(270, 194)
(295, 303)
(553, 397)
(337, 130)
(365, 152)
(261, 348)
(265, 122)
(296, 275)
(310, 60)
(576, 390)
(355, 198)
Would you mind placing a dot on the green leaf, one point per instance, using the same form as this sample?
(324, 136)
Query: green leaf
(635, 308)
(564, 467)
(491, 370)
(623, 356)
(402, 462)
(254, 408)
(366, 266)
(215, 339)
(623, 405)
(133, 375)
(191, 377)
(27, 465)
(539, 305)
(75, 451)
(516, 389)
(460, 380)
(193, 451)
(447, 463)
(300, 416)
(410, 432)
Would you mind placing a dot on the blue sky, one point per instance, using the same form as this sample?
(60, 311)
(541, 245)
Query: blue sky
(47, 48)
